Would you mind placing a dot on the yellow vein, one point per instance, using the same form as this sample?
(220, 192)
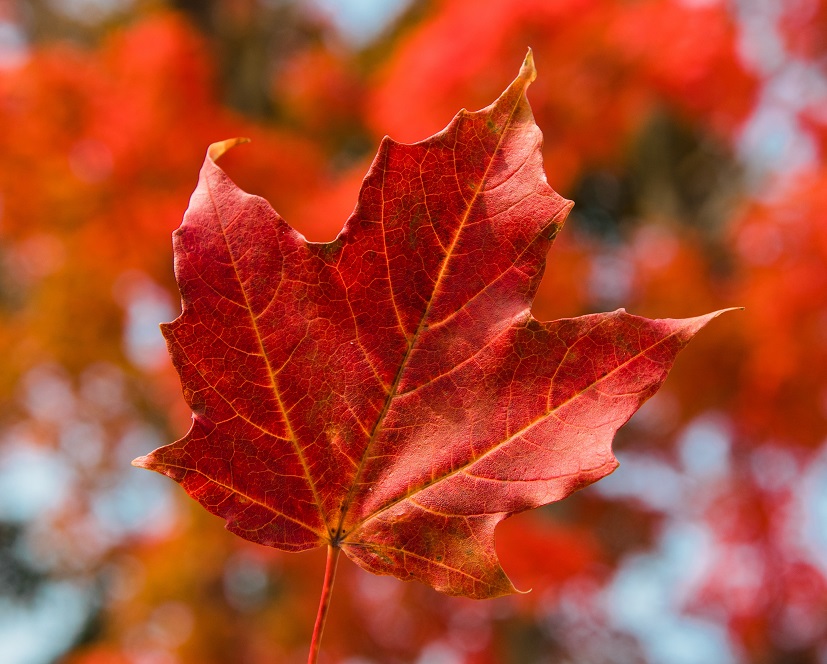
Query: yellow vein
(536, 479)
(260, 341)
(425, 199)
(385, 244)
(499, 277)
(362, 348)
(436, 563)
(509, 439)
(246, 497)
(214, 388)
(446, 259)
(456, 367)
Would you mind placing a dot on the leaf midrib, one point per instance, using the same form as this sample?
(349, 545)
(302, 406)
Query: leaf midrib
(355, 528)
(337, 538)
(270, 370)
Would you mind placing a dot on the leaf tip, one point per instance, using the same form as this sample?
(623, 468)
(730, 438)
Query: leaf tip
(142, 462)
(528, 71)
(715, 314)
(216, 150)
(691, 326)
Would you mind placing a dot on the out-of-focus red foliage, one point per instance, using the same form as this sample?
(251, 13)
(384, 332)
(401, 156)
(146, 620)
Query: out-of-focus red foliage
(631, 58)
(99, 153)
(95, 180)
(803, 28)
(782, 247)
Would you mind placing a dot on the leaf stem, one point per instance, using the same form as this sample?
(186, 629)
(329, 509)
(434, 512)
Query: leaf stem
(324, 602)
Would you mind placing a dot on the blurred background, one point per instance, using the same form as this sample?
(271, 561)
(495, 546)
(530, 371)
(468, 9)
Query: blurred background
(691, 135)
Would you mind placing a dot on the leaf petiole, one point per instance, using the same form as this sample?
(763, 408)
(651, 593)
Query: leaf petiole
(324, 602)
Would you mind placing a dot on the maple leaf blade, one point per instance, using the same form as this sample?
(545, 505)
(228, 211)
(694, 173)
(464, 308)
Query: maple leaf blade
(389, 392)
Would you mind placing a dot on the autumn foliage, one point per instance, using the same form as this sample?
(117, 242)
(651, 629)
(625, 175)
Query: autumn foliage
(692, 151)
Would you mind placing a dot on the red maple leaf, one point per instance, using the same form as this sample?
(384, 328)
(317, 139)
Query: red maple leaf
(389, 393)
